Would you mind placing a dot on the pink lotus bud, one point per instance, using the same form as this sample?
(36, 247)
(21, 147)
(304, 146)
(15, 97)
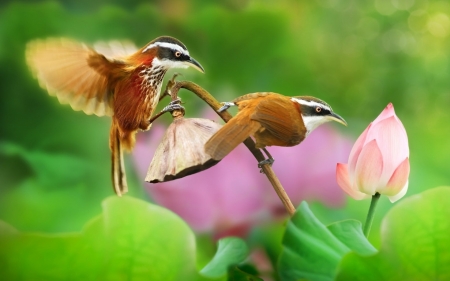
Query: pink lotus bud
(379, 160)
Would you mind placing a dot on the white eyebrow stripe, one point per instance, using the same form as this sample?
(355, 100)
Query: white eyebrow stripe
(310, 103)
(167, 45)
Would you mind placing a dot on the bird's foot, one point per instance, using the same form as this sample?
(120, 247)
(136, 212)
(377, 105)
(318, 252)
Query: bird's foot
(173, 105)
(225, 106)
(264, 162)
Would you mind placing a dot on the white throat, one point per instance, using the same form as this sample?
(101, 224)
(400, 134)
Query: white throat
(312, 122)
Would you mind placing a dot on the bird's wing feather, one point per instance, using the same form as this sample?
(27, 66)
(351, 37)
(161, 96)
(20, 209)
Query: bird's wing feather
(277, 117)
(72, 72)
(115, 50)
(230, 136)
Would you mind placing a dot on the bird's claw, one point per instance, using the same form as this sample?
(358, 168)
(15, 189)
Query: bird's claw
(174, 105)
(225, 106)
(264, 162)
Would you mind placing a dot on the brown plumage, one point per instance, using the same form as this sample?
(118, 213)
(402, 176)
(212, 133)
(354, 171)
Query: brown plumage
(121, 82)
(272, 119)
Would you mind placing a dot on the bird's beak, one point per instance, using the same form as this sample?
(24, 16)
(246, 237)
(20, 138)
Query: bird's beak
(195, 64)
(337, 118)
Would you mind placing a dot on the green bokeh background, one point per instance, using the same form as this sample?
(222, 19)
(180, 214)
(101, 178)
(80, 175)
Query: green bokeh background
(356, 55)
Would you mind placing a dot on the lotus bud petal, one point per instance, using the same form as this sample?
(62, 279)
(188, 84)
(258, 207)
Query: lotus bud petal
(379, 160)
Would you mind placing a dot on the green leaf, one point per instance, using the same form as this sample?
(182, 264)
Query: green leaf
(237, 274)
(415, 242)
(312, 251)
(230, 251)
(350, 233)
(131, 240)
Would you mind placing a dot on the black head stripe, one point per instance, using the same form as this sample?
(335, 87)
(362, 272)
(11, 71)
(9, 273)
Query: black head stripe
(168, 39)
(309, 106)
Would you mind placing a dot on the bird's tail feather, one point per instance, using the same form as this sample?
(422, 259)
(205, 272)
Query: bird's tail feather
(119, 179)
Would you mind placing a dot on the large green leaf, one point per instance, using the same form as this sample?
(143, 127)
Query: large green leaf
(415, 242)
(131, 240)
(312, 251)
(230, 251)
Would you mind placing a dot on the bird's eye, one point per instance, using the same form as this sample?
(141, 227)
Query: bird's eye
(178, 54)
(318, 109)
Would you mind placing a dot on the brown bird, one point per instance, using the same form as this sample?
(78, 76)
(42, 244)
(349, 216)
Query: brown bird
(272, 119)
(114, 80)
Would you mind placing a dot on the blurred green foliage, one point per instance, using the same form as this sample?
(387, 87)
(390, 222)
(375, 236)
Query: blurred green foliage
(115, 246)
(356, 55)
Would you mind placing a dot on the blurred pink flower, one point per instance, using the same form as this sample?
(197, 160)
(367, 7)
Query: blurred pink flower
(307, 171)
(379, 160)
(230, 197)
(224, 198)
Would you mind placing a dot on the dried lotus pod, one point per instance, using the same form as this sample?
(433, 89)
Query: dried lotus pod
(182, 150)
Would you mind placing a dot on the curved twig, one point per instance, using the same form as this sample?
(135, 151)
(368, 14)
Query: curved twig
(174, 87)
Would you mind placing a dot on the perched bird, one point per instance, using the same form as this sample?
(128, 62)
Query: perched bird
(112, 79)
(272, 119)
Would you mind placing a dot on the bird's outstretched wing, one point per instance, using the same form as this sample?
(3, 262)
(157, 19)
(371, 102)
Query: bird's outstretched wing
(115, 50)
(74, 73)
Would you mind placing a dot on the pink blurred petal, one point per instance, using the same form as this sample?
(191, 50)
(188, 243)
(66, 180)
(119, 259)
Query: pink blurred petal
(397, 180)
(356, 151)
(307, 171)
(194, 204)
(369, 168)
(259, 257)
(386, 113)
(343, 180)
(400, 194)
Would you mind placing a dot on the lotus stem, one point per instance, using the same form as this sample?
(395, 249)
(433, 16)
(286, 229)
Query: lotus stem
(370, 214)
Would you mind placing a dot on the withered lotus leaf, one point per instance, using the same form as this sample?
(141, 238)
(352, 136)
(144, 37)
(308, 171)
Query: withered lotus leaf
(181, 152)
